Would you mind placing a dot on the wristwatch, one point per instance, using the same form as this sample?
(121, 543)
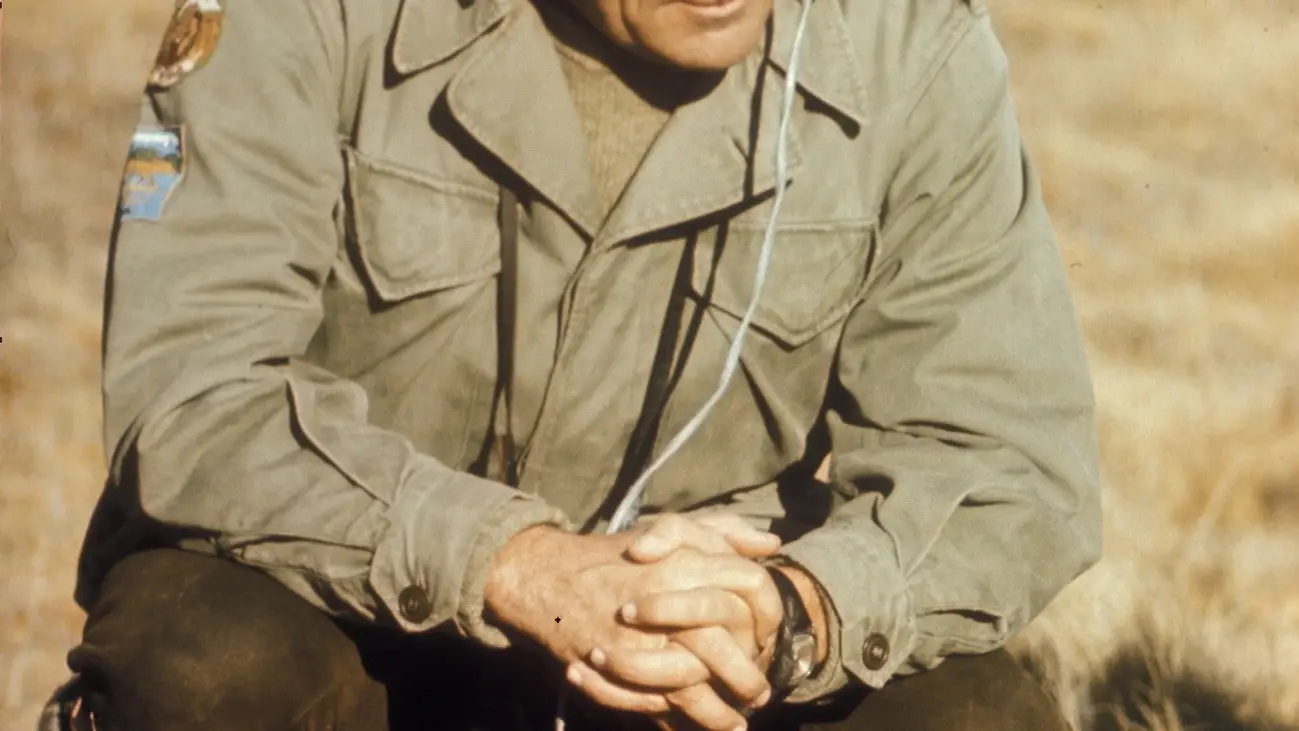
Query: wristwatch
(794, 659)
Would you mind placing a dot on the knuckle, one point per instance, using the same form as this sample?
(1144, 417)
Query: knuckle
(645, 707)
(623, 664)
(752, 688)
(734, 523)
(649, 608)
(647, 522)
(601, 696)
(675, 524)
(712, 520)
(736, 605)
(701, 704)
(770, 602)
(643, 703)
(718, 639)
(745, 696)
(680, 699)
(705, 644)
(728, 719)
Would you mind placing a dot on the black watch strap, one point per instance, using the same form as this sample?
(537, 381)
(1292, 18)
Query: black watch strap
(785, 672)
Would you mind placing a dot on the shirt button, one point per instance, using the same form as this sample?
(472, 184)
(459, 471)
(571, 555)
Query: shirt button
(875, 652)
(413, 603)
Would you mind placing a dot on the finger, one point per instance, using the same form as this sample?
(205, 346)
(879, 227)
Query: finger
(703, 607)
(703, 706)
(599, 689)
(671, 532)
(742, 576)
(744, 538)
(714, 533)
(729, 663)
(668, 669)
(675, 720)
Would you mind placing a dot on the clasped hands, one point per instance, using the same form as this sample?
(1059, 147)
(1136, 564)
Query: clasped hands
(673, 619)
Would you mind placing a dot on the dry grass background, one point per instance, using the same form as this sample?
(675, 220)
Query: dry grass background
(1168, 136)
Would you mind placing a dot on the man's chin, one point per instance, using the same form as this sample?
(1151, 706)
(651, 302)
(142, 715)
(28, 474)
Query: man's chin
(705, 54)
(711, 43)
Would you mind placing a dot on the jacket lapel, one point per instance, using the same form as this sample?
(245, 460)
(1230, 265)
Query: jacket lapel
(719, 152)
(715, 153)
(828, 69)
(429, 32)
(509, 93)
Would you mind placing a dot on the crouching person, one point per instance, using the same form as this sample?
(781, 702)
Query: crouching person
(469, 365)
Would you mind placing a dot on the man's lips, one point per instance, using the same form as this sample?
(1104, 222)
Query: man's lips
(715, 8)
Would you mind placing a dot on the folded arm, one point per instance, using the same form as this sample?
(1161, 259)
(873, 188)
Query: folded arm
(222, 437)
(962, 414)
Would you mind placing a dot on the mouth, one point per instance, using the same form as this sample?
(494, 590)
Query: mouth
(714, 9)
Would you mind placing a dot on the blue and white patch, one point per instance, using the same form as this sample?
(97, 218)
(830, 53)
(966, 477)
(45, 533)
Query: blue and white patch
(154, 167)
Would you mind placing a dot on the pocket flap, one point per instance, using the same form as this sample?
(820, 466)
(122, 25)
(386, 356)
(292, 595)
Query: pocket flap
(417, 235)
(815, 276)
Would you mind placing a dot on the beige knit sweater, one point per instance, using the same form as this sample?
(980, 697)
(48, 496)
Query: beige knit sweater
(622, 101)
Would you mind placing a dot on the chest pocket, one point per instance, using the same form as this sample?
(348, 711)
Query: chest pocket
(816, 275)
(415, 235)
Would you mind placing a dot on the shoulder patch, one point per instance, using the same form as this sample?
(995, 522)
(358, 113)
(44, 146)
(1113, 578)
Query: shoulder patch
(154, 167)
(191, 39)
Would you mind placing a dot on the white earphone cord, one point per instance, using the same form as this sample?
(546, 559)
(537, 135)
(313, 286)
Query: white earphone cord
(628, 507)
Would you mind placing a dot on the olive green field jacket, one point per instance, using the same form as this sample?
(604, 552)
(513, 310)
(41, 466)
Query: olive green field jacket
(301, 367)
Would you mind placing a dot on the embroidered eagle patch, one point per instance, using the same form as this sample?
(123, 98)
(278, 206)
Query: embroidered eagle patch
(190, 40)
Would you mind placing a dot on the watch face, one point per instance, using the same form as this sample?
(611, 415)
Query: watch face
(803, 647)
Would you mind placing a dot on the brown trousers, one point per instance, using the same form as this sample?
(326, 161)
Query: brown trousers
(182, 642)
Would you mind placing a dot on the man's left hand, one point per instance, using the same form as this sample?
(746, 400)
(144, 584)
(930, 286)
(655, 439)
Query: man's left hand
(716, 635)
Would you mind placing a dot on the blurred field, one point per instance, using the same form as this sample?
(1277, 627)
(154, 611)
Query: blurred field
(1168, 136)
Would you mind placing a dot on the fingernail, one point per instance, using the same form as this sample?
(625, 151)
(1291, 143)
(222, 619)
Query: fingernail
(598, 658)
(762, 699)
(629, 612)
(574, 675)
(738, 728)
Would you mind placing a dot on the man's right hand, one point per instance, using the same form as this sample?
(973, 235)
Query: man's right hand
(541, 585)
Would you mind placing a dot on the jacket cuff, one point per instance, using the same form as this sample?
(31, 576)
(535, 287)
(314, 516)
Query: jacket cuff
(830, 677)
(430, 566)
(511, 518)
(869, 594)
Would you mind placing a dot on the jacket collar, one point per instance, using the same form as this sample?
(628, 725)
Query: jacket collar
(828, 70)
(429, 32)
(712, 155)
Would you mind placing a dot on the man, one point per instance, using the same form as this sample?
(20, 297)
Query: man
(404, 297)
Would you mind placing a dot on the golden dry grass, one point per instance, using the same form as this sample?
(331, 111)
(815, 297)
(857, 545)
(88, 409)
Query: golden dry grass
(1168, 136)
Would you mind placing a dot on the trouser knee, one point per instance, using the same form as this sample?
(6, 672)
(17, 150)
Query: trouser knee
(178, 640)
(989, 692)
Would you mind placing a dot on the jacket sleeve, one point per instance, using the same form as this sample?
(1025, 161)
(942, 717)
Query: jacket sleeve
(962, 427)
(221, 437)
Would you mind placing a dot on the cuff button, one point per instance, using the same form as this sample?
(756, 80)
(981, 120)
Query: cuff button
(414, 604)
(875, 653)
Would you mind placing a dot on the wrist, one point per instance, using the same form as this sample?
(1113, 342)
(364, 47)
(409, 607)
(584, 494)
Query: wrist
(807, 590)
(516, 571)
